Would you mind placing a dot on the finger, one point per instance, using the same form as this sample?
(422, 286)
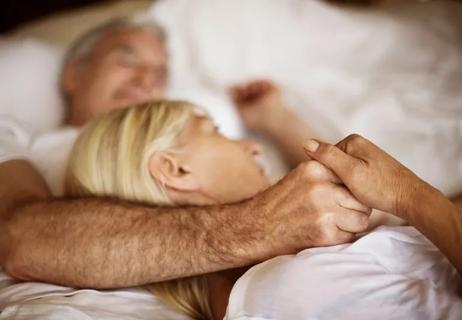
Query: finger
(264, 86)
(241, 96)
(348, 201)
(332, 157)
(235, 93)
(331, 176)
(316, 171)
(340, 237)
(345, 236)
(352, 221)
(256, 90)
(355, 146)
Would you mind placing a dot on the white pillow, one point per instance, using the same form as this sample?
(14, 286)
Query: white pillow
(29, 90)
(393, 75)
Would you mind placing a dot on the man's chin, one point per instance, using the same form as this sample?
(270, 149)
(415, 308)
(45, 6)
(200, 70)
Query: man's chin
(134, 99)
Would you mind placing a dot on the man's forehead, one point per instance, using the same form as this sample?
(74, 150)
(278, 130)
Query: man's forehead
(136, 38)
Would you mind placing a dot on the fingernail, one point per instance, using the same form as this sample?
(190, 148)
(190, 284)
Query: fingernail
(311, 145)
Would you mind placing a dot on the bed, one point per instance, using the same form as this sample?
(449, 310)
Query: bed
(392, 74)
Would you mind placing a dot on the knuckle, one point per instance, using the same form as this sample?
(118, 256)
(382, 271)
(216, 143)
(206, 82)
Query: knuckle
(356, 139)
(356, 172)
(328, 149)
(302, 168)
(317, 191)
(314, 168)
(364, 221)
(306, 169)
(344, 237)
(323, 236)
(339, 191)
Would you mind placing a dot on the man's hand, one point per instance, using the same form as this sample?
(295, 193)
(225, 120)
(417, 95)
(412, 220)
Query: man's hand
(259, 104)
(263, 111)
(309, 208)
(373, 176)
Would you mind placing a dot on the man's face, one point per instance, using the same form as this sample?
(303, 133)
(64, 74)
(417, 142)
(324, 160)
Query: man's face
(126, 67)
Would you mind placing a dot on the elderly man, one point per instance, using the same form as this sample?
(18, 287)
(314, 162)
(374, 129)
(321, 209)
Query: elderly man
(107, 243)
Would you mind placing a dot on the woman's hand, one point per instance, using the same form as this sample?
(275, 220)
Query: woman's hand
(260, 105)
(373, 176)
(381, 182)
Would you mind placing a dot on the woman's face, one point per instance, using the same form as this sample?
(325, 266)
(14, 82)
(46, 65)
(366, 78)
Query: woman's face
(226, 170)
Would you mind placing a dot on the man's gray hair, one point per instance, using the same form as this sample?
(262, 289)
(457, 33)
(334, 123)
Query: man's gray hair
(84, 45)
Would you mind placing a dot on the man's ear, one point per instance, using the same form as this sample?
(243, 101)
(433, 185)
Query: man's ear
(167, 169)
(70, 76)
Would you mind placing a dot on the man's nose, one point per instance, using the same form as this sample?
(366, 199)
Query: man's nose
(145, 78)
(252, 147)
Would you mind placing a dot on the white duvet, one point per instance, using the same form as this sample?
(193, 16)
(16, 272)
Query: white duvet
(389, 274)
(393, 75)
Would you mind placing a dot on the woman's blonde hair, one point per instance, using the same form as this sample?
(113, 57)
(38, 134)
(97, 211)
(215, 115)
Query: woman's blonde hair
(110, 158)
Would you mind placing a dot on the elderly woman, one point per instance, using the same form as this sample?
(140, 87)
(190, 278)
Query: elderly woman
(170, 153)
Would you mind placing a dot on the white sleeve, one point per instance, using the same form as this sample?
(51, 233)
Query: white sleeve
(15, 140)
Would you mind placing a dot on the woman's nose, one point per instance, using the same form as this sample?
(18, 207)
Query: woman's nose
(252, 147)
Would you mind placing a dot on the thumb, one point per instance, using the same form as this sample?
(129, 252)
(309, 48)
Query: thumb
(330, 156)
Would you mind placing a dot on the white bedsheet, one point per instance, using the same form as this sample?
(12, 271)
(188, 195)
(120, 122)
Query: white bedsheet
(394, 75)
(389, 274)
(40, 301)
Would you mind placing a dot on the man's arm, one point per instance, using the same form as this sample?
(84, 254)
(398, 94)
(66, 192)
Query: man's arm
(106, 243)
(263, 111)
(288, 133)
(457, 200)
(381, 182)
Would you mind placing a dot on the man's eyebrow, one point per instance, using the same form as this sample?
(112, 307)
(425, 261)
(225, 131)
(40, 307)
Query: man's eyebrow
(125, 48)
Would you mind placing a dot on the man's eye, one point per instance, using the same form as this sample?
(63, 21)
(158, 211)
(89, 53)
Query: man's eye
(128, 60)
(216, 128)
(160, 73)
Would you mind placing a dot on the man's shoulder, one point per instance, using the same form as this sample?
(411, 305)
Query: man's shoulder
(15, 139)
(50, 152)
(47, 151)
(63, 134)
(19, 142)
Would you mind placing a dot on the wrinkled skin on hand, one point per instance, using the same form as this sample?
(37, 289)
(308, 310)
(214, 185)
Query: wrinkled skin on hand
(310, 208)
(373, 176)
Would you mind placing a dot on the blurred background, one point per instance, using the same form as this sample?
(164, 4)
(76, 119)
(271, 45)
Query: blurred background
(390, 70)
(15, 13)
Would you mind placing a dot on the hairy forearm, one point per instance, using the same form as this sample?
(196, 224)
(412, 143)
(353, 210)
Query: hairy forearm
(438, 219)
(105, 243)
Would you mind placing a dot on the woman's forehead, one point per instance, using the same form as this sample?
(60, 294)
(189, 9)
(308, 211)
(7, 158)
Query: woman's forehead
(203, 122)
(195, 126)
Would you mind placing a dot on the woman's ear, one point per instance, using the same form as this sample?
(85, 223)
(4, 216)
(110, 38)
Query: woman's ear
(167, 169)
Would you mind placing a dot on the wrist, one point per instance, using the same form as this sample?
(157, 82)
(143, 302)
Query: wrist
(277, 122)
(419, 198)
(244, 233)
(267, 231)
